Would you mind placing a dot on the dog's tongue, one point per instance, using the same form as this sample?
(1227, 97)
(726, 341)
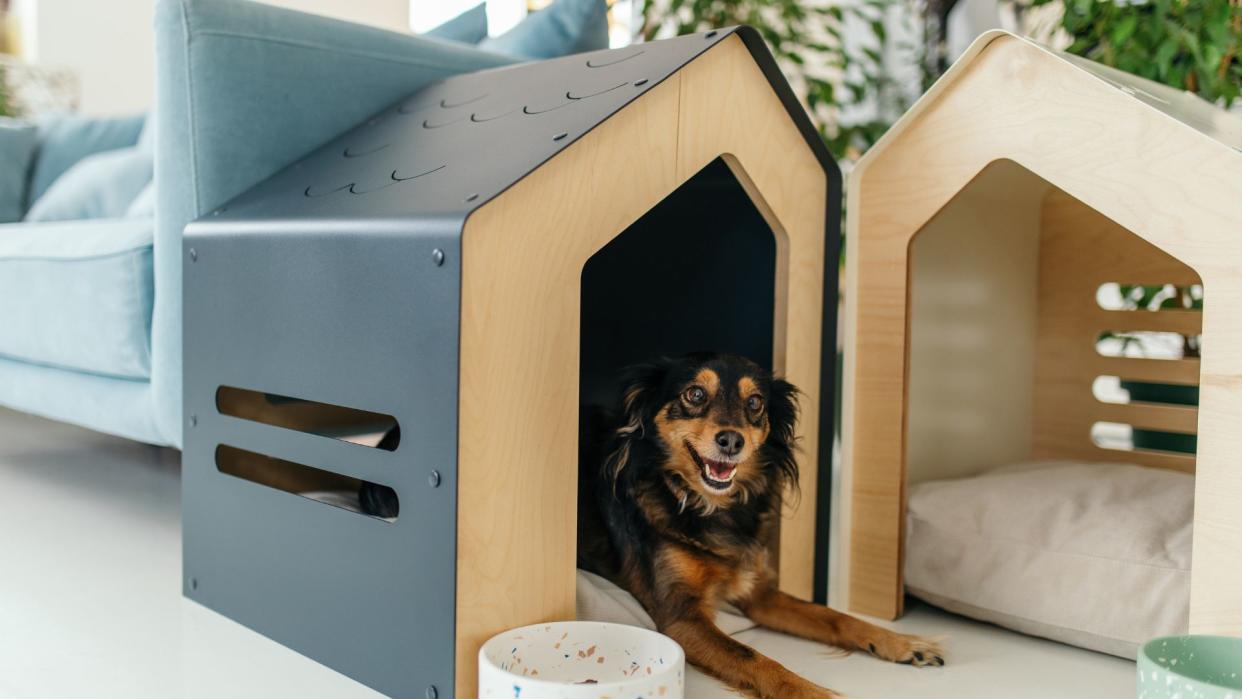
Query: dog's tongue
(720, 471)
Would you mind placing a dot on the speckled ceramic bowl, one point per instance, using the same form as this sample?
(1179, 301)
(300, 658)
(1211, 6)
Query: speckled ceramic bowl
(581, 660)
(1190, 667)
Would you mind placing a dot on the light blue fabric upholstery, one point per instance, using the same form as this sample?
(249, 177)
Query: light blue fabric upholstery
(470, 27)
(117, 406)
(243, 90)
(143, 205)
(102, 185)
(564, 27)
(17, 148)
(92, 335)
(64, 140)
(78, 295)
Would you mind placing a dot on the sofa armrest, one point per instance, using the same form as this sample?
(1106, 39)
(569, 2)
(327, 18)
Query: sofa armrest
(242, 90)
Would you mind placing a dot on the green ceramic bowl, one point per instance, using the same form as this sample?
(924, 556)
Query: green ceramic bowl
(1190, 667)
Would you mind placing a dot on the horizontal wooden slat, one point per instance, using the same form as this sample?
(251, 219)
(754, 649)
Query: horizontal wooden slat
(1149, 416)
(1184, 463)
(1172, 321)
(1176, 371)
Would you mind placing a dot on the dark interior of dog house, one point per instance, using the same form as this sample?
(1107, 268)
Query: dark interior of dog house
(696, 273)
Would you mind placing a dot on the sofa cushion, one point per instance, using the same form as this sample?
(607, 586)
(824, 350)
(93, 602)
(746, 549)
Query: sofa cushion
(78, 295)
(102, 185)
(470, 27)
(17, 147)
(143, 204)
(562, 28)
(66, 139)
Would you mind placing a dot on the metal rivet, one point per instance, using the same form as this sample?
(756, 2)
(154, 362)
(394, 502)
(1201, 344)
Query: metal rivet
(433, 480)
(437, 256)
(559, 136)
(432, 693)
(193, 421)
(472, 197)
(711, 34)
(193, 583)
(193, 255)
(640, 83)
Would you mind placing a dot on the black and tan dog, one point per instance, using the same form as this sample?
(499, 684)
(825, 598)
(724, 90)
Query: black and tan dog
(679, 495)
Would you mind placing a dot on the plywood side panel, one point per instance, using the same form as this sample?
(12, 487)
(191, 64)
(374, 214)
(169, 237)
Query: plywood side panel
(522, 257)
(973, 271)
(728, 107)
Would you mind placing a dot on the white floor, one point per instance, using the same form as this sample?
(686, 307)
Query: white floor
(91, 606)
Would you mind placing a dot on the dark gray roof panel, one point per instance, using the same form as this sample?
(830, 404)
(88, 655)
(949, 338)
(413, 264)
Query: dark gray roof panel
(456, 143)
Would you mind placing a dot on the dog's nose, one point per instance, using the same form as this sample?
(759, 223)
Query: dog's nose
(730, 442)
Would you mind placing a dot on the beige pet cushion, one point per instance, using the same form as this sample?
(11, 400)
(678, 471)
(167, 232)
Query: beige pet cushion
(1094, 555)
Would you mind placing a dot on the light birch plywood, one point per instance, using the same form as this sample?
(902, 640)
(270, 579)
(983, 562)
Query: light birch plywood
(1080, 250)
(1151, 167)
(522, 259)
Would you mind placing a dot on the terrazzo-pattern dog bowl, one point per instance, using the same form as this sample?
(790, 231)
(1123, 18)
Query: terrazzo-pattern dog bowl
(1190, 667)
(581, 660)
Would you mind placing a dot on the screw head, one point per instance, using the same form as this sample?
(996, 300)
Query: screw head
(472, 197)
(193, 255)
(559, 136)
(437, 256)
(433, 479)
(193, 421)
(193, 583)
(711, 34)
(640, 83)
(432, 693)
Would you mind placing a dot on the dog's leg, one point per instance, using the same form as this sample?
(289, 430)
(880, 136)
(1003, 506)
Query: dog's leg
(739, 665)
(776, 610)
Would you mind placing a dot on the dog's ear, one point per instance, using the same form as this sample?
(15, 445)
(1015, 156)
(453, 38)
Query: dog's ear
(640, 400)
(783, 423)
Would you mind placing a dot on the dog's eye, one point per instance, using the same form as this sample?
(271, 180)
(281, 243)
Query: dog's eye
(754, 404)
(695, 395)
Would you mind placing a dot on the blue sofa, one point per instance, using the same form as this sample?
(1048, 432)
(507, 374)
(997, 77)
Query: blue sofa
(90, 310)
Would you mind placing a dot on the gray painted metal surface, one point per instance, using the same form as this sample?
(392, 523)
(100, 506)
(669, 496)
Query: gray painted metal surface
(324, 283)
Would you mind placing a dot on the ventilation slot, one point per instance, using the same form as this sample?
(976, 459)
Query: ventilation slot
(299, 479)
(325, 420)
(1162, 448)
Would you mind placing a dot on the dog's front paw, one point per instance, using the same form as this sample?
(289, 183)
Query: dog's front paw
(907, 650)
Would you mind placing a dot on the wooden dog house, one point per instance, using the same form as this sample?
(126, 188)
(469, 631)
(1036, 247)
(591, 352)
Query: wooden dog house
(472, 266)
(980, 228)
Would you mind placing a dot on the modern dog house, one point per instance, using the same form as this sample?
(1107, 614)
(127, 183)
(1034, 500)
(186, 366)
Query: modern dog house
(980, 229)
(430, 301)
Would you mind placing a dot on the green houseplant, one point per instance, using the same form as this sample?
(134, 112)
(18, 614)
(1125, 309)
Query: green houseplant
(836, 75)
(1192, 45)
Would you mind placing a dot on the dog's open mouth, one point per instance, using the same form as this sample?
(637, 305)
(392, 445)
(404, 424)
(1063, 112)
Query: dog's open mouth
(717, 475)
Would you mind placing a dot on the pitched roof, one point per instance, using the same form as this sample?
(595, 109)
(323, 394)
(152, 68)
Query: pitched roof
(455, 144)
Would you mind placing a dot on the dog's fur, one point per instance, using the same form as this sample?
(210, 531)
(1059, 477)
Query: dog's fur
(680, 496)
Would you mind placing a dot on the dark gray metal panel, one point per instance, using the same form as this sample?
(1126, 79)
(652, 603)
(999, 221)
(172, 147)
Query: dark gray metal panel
(473, 134)
(361, 317)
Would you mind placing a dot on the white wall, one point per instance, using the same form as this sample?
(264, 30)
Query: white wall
(111, 47)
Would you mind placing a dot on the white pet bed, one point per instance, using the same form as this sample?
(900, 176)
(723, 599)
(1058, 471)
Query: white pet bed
(1094, 555)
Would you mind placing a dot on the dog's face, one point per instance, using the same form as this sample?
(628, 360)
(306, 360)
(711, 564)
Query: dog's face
(724, 423)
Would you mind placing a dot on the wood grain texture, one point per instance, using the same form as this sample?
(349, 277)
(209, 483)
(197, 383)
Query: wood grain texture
(1080, 250)
(522, 259)
(1150, 174)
